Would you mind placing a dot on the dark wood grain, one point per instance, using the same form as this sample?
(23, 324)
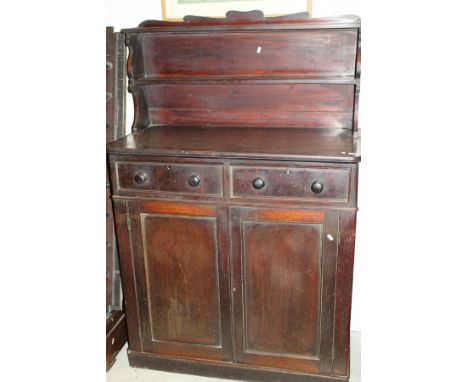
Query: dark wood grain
(237, 142)
(290, 182)
(116, 335)
(127, 270)
(284, 105)
(277, 258)
(110, 84)
(181, 263)
(224, 279)
(181, 268)
(328, 290)
(112, 276)
(240, 372)
(330, 198)
(116, 331)
(344, 287)
(247, 20)
(253, 97)
(141, 118)
(317, 53)
(243, 47)
(357, 85)
(245, 118)
(279, 261)
(170, 177)
(115, 84)
(111, 255)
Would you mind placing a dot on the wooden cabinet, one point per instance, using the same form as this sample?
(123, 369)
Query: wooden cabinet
(235, 197)
(239, 281)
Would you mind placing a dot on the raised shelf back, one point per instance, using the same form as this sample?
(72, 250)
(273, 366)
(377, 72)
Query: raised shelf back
(246, 70)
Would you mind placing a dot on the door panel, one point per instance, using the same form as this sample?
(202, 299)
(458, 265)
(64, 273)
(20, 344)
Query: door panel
(279, 261)
(182, 279)
(278, 277)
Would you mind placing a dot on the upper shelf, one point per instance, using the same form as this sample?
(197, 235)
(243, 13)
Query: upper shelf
(324, 53)
(246, 70)
(318, 145)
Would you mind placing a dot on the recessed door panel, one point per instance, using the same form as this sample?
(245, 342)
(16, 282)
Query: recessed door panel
(281, 269)
(182, 279)
(282, 266)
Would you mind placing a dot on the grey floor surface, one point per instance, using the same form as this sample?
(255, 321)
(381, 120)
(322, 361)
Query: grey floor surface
(122, 372)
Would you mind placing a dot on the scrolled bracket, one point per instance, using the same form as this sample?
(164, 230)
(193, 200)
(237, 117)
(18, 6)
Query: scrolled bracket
(131, 86)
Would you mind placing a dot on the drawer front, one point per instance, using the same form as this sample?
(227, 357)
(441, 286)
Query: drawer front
(327, 184)
(170, 177)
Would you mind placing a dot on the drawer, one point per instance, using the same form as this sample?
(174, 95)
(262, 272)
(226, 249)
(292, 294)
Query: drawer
(203, 179)
(319, 183)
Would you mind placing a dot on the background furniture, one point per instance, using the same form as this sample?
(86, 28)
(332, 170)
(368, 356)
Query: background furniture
(236, 195)
(116, 331)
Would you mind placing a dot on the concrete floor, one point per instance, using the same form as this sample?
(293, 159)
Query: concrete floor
(122, 372)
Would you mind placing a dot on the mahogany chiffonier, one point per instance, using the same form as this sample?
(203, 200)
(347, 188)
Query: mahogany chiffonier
(235, 196)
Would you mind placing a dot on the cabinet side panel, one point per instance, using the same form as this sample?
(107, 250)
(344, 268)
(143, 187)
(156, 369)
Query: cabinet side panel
(344, 284)
(128, 278)
(330, 251)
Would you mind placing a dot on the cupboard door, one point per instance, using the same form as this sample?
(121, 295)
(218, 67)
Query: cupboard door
(182, 279)
(283, 287)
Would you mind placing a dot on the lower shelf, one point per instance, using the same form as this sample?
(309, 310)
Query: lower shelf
(222, 370)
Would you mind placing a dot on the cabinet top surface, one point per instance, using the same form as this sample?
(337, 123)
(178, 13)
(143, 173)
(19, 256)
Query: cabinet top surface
(322, 145)
(248, 20)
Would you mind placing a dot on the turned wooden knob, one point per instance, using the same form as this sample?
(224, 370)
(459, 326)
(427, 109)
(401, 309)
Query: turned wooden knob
(140, 177)
(194, 180)
(317, 186)
(258, 183)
